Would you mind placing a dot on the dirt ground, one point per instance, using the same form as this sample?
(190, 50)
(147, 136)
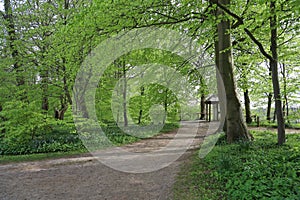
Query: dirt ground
(84, 177)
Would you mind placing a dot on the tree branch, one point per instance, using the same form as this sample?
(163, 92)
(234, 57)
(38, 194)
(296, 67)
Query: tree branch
(260, 46)
(2, 14)
(247, 31)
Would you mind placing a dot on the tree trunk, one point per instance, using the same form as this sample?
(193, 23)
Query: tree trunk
(11, 32)
(236, 127)
(60, 113)
(285, 108)
(269, 107)
(141, 105)
(2, 119)
(221, 91)
(275, 80)
(247, 107)
(44, 85)
(166, 105)
(125, 96)
(202, 107)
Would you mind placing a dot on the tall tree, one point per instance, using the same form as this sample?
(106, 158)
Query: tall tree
(236, 128)
(272, 57)
(275, 79)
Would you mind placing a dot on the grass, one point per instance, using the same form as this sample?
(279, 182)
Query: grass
(249, 170)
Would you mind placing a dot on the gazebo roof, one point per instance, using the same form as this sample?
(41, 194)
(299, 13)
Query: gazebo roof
(212, 99)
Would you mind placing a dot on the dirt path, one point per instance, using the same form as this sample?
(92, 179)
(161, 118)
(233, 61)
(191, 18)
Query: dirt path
(85, 177)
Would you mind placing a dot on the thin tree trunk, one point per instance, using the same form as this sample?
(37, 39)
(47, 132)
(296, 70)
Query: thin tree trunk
(202, 107)
(44, 85)
(2, 119)
(236, 127)
(247, 106)
(269, 107)
(141, 105)
(275, 80)
(285, 108)
(166, 105)
(124, 95)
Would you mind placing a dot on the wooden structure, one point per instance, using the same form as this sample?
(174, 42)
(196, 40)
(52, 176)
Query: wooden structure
(212, 108)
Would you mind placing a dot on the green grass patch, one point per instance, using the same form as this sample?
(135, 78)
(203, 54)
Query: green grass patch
(248, 170)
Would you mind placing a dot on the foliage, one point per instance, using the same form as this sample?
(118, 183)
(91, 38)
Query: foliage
(62, 137)
(257, 170)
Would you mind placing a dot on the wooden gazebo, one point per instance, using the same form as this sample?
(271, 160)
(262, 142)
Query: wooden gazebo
(212, 106)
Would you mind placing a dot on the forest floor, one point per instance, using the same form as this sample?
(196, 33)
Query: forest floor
(84, 177)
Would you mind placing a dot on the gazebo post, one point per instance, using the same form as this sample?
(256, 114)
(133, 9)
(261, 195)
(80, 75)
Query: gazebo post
(212, 100)
(217, 112)
(209, 116)
(206, 114)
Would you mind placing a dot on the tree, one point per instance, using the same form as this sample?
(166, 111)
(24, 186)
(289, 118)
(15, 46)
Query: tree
(236, 128)
(272, 14)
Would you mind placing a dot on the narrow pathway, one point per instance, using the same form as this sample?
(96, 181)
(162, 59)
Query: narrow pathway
(86, 178)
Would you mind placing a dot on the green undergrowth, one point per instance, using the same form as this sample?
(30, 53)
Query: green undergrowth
(61, 142)
(248, 170)
(268, 124)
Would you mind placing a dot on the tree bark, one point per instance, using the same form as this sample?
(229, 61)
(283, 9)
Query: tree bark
(236, 127)
(275, 80)
(247, 106)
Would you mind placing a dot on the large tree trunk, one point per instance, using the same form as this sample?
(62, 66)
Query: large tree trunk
(236, 127)
(221, 90)
(275, 80)
(247, 106)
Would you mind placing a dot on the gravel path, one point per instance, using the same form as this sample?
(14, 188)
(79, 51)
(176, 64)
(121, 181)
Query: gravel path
(84, 177)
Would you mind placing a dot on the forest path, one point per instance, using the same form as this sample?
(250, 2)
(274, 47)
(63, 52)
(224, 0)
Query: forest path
(84, 177)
